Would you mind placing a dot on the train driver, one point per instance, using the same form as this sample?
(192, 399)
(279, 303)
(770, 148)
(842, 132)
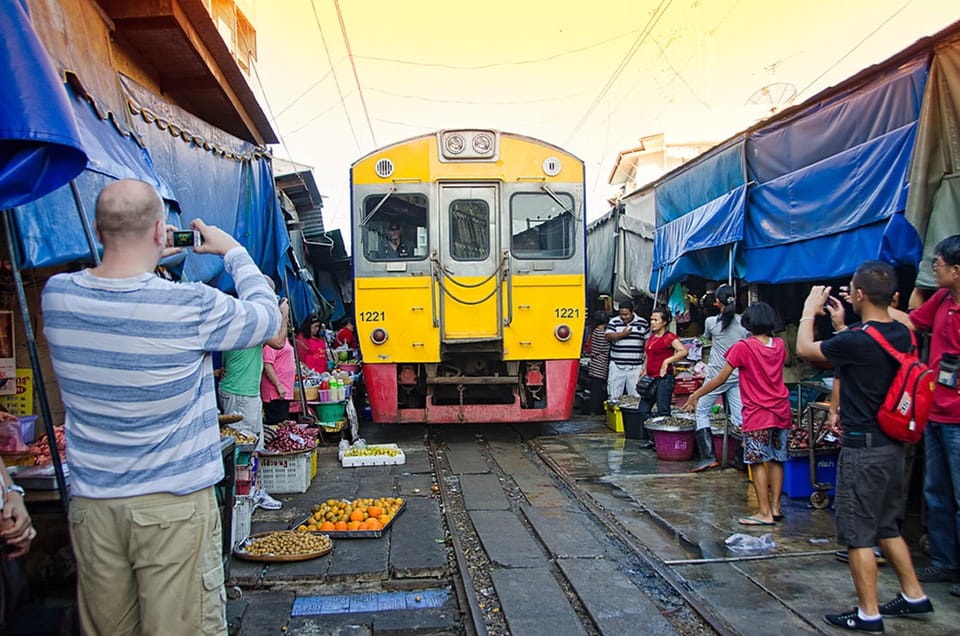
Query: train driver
(395, 247)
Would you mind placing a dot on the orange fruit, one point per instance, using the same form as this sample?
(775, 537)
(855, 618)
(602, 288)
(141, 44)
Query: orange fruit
(363, 526)
(385, 519)
(374, 511)
(356, 515)
(353, 526)
(374, 524)
(340, 525)
(327, 526)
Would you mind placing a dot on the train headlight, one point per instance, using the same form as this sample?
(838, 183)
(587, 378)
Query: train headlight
(378, 335)
(454, 144)
(562, 332)
(483, 144)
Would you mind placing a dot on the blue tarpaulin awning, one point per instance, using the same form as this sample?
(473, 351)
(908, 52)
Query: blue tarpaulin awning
(40, 148)
(700, 215)
(112, 154)
(830, 181)
(685, 246)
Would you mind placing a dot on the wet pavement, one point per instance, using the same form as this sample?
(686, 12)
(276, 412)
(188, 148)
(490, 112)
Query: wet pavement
(684, 519)
(396, 584)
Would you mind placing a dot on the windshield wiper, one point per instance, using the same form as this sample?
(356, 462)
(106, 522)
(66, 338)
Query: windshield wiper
(553, 196)
(379, 205)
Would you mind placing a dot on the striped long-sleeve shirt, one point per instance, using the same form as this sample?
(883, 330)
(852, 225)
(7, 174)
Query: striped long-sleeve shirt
(132, 360)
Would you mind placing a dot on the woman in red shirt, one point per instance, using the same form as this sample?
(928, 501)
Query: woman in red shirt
(766, 408)
(662, 349)
(311, 345)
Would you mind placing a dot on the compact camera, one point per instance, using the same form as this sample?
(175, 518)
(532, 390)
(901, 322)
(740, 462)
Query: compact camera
(187, 238)
(949, 372)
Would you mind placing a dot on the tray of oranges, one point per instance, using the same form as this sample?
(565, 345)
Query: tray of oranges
(362, 518)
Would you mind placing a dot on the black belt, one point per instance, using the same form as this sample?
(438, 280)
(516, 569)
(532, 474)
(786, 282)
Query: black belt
(865, 440)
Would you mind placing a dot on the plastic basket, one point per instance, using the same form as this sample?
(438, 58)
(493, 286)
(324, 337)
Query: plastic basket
(240, 528)
(330, 411)
(286, 473)
(674, 446)
(633, 424)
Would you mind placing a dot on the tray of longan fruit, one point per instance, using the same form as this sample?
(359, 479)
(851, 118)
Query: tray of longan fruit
(357, 519)
(284, 545)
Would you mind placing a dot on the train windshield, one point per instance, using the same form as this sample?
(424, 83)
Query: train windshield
(542, 226)
(469, 229)
(395, 227)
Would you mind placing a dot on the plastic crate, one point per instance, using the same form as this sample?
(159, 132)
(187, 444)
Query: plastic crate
(240, 528)
(286, 473)
(686, 386)
(313, 464)
(614, 417)
(374, 460)
(796, 474)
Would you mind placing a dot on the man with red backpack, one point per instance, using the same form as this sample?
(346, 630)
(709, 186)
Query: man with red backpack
(870, 488)
(940, 315)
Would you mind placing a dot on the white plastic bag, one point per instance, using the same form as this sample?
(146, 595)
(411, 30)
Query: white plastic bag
(745, 543)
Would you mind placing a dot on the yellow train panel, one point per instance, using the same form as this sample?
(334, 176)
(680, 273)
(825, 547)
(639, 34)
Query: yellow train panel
(417, 160)
(540, 305)
(403, 308)
(470, 313)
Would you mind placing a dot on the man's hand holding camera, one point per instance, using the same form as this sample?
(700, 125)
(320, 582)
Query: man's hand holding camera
(215, 240)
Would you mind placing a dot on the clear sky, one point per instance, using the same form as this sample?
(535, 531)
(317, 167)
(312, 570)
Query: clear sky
(591, 77)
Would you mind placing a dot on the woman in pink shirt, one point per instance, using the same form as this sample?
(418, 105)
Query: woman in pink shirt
(766, 408)
(276, 383)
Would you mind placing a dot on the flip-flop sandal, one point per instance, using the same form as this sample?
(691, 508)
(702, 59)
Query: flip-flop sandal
(778, 517)
(753, 521)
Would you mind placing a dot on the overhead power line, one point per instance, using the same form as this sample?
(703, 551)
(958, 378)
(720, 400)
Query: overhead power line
(855, 47)
(356, 77)
(336, 81)
(641, 38)
(482, 67)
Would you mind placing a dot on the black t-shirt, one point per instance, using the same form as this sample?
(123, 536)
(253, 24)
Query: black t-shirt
(865, 372)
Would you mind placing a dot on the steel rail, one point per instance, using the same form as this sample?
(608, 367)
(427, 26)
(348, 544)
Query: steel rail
(466, 595)
(705, 611)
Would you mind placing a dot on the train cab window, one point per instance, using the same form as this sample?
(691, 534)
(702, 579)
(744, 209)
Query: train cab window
(395, 227)
(541, 227)
(469, 229)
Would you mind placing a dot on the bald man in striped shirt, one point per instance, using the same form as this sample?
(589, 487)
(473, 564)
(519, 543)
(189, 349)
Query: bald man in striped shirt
(131, 353)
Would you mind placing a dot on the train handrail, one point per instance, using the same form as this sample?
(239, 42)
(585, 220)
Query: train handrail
(508, 277)
(438, 274)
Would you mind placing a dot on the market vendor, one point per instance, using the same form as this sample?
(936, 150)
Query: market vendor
(16, 529)
(312, 347)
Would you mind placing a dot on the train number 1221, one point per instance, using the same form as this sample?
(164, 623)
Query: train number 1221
(567, 312)
(372, 316)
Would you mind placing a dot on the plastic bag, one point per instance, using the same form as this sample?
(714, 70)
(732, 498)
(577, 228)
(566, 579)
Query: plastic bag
(745, 543)
(353, 420)
(11, 440)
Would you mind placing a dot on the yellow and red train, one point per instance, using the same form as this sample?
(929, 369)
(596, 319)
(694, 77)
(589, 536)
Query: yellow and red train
(469, 286)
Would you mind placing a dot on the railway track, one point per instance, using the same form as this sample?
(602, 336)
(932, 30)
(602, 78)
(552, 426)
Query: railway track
(487, 607)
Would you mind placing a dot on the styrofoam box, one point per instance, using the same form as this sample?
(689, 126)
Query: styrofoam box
(286, 473)
(240, 528)
(374, 460)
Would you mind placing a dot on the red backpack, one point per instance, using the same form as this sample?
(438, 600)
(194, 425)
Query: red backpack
(904, 412)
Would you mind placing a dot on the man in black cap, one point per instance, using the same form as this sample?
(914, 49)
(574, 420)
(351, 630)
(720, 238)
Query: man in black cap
(394, 247)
